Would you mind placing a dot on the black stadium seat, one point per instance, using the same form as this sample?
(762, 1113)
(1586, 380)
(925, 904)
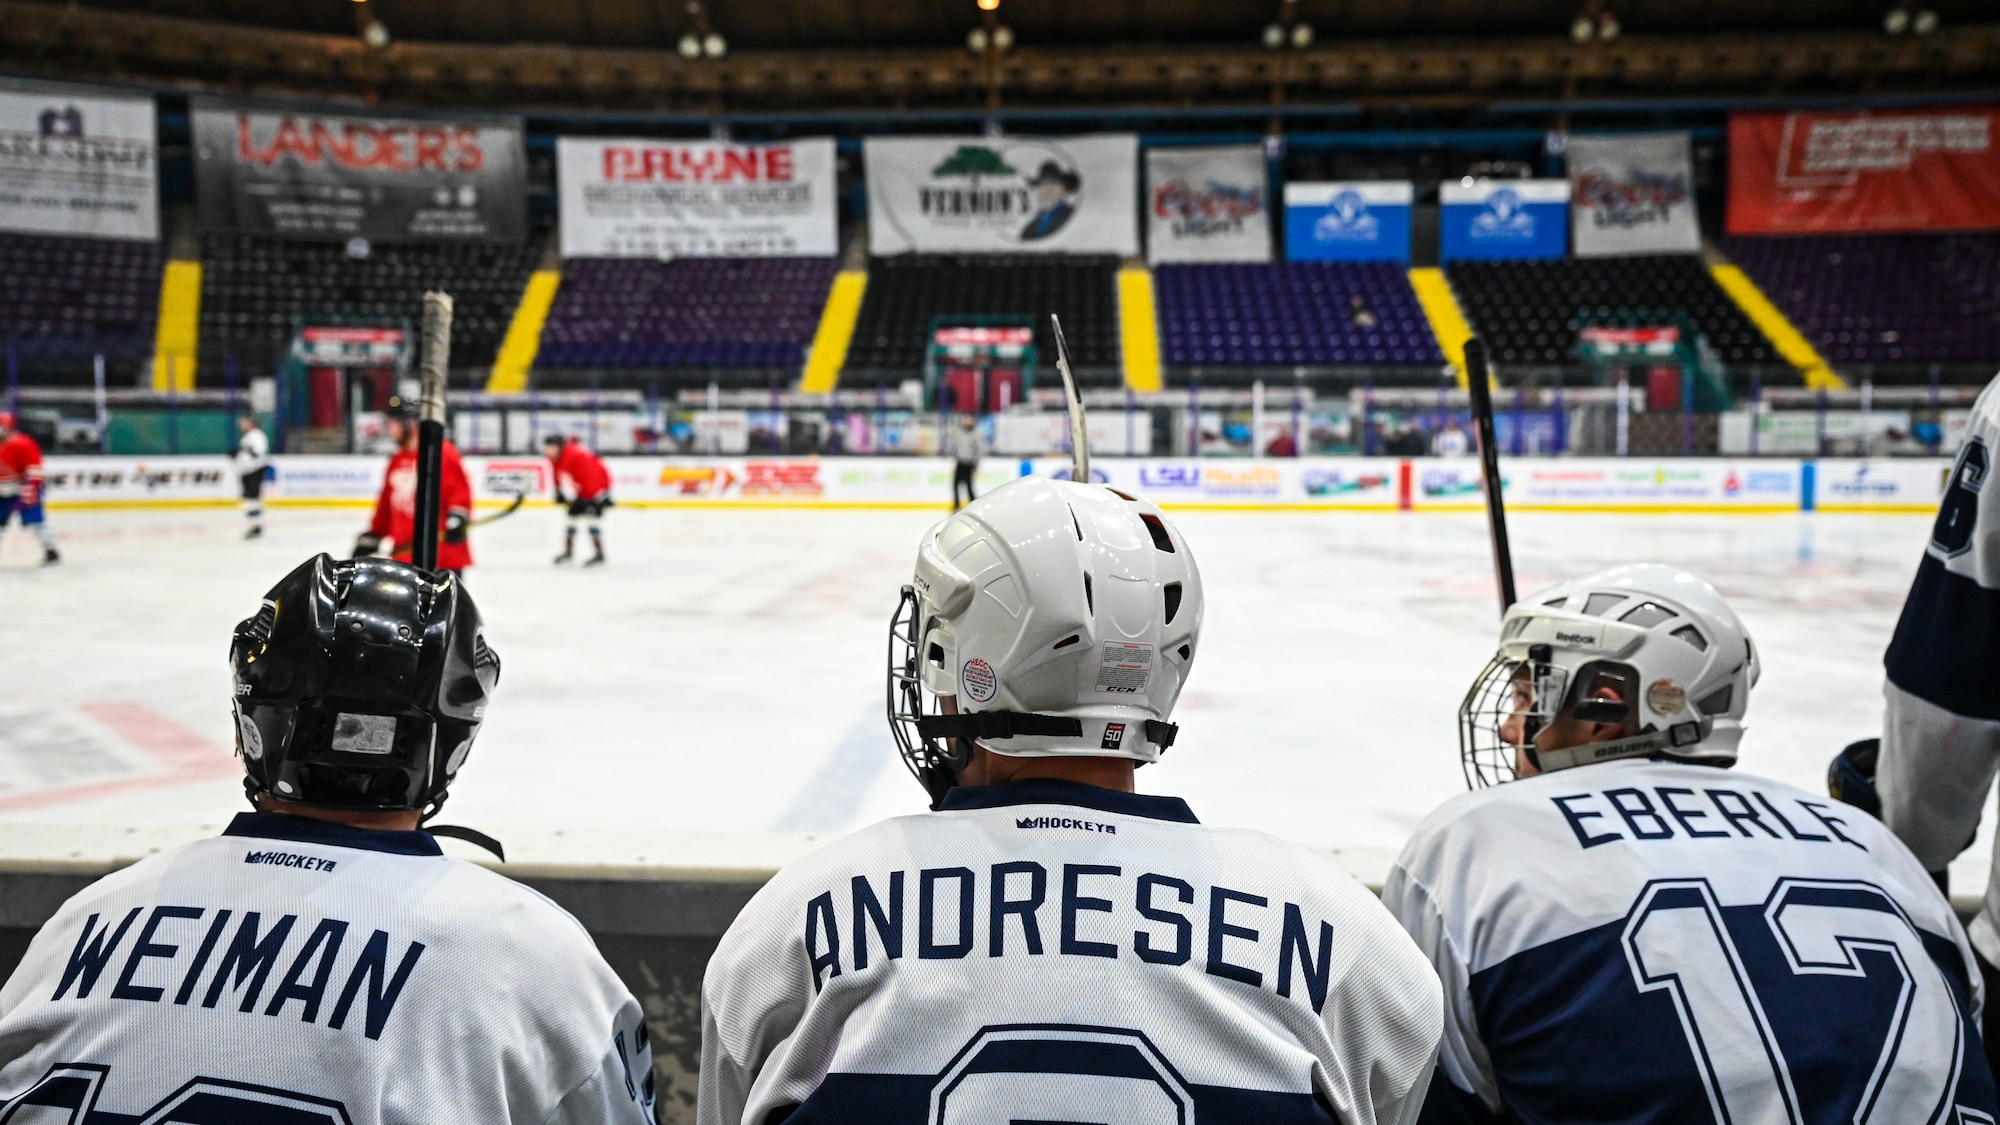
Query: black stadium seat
(65, 300)
(906, 293)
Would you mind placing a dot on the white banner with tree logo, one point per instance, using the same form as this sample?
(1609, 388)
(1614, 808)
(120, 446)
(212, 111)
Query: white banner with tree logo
(1002, 195)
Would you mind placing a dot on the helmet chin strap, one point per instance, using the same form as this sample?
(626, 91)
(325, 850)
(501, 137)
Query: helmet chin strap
(1676, 737)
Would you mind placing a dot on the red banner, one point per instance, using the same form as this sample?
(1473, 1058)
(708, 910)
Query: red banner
(1889, 170)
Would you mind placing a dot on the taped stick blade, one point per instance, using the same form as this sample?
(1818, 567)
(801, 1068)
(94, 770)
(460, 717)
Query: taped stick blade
(1079, 434)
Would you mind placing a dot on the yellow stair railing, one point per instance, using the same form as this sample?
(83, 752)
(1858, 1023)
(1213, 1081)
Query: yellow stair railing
(835, 332)
(524, 334)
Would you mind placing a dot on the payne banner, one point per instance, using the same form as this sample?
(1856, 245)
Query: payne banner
(638, 198)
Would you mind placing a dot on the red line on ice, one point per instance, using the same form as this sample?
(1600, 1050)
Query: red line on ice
(186, 755)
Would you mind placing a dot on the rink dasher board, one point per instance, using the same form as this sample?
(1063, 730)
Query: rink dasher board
(1666, 485)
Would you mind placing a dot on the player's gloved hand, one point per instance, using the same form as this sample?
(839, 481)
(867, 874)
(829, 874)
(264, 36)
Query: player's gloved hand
(605, 500)
(454, 528)
(31, 494)
(562, 499)
(367, 545)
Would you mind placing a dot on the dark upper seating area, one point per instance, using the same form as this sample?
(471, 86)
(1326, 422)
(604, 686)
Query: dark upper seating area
(906, 294)
(253, 290)
(1884, 299)
(1288, 314)
(1529, 312)
(68, 299)
(737, 320)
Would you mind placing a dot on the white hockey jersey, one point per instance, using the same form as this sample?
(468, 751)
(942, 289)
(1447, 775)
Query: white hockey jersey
(253, 453)
(1045, 951)
(295, 971)
(1660, 942)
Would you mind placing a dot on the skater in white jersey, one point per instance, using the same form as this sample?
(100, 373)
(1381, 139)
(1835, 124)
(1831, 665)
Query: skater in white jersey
(1627, 932)
(321, 961)
(1049, 945)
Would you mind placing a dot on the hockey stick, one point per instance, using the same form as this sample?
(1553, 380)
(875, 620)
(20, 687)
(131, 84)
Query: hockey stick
(1476, 375)
(430, 428)
(1079, 436)
(513, 506)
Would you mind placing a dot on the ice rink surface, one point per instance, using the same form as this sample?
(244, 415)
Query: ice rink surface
(725, 672)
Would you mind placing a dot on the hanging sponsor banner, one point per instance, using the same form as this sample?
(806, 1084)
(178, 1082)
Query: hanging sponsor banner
(78, 163)
(1901, 170)
(696, 199)
(1029, 195)
(337, 177)
(1207, 205)
(1348, 222)
(1633, 195)
(1503, 219)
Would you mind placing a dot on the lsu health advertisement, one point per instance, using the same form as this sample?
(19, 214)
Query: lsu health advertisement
(1383, 483)
(78, 163)
(1207, 204)
(339, 177)
(1887, 170)
(696, 199)
(1000, 195)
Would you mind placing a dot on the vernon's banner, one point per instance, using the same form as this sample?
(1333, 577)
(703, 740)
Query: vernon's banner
(1503, 219)
(333, 176)
(78, 163)
(1632, 195)
(1207, 205)
(1026, 195)
(696, 199)
(1348, 222)
(1889, 170)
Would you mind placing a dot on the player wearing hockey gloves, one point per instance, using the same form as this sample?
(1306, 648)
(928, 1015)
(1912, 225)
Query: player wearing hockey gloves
(584, 485)
(252, 459)
(396, 508)
(322, 960)
(1049, 945)
(1628, 933)
(21, 482)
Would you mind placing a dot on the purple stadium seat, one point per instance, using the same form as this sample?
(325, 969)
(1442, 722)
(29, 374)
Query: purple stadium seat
(1282, 314)
(690, 312)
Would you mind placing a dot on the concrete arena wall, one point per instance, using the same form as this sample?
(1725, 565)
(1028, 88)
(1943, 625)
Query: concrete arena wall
(1708, 484)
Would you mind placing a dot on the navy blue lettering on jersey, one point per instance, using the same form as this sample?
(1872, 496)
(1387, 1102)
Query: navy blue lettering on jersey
(1672, 812)
(70, 1091)
(1579, 998)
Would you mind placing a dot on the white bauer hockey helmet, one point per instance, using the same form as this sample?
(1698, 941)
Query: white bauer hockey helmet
(1061, 619)
(1676, 655)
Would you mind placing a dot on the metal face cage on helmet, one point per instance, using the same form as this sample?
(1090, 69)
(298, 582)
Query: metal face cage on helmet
(1057, 618)
(1648, 647)
(360, 685)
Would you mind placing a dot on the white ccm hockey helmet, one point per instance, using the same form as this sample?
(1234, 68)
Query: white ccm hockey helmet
(1663, 639)
(1060, 617)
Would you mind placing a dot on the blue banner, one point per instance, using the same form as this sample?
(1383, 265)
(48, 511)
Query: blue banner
(1348, 222)
(1504, 219)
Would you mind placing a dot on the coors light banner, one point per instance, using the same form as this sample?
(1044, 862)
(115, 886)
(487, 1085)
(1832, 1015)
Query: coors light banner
(78, 163)
(332, 176)
(1886, 170)
(1632, 195)
(696, 199)
(1028, 195)
(1207, 205)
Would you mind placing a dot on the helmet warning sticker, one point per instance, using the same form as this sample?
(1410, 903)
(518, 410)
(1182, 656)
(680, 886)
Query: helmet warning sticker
(979, 680)
(1125, 669)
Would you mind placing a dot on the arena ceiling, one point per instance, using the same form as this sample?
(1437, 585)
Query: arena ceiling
(811, 56)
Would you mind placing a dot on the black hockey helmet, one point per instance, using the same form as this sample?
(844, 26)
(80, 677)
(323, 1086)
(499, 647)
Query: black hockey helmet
(400, 408)
(360, 685)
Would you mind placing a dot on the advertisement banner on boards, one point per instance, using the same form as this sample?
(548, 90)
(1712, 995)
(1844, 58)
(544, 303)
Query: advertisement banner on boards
(999, 195)
(332, 176)
(1207, 204)
(1357, 222)
(636, 198)
(79, 163)
(1633, 194)
(1494, 219)
(1889, 170)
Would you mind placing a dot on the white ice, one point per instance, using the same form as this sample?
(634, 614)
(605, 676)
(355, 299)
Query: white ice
(725, 672)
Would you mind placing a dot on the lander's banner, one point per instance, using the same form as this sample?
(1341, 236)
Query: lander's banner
(1900, 170)
(1503, 219)
(78, 163)
(1023, 195)
(1207, 205)
(696, 199)
(1633, 194)
(336, 177)
(1359, 222)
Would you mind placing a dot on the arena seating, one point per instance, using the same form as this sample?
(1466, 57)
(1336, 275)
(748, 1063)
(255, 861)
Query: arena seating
(67, 299)
(906, 293)
(1288, 314)
(1888, 301)
(738, 321)
(1529, 311)
(253, 290)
